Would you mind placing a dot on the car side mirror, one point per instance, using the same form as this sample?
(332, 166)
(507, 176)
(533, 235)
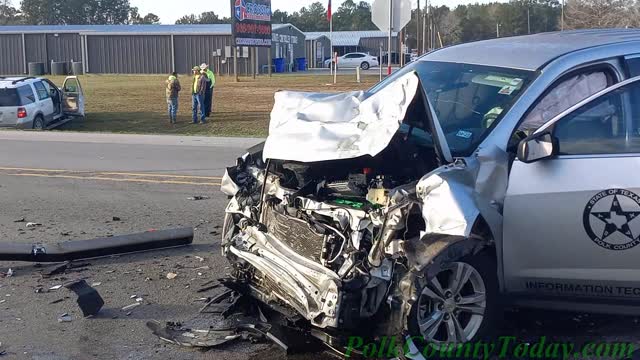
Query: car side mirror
(537, 147)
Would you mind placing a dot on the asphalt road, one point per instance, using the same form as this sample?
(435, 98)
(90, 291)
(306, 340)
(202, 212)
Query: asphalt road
(75, 184)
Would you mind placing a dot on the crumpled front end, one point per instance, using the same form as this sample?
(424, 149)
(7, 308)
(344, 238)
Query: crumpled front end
(333, 220)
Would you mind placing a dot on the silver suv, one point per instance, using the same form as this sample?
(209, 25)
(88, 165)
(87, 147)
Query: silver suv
(484, 174)
(36, 103)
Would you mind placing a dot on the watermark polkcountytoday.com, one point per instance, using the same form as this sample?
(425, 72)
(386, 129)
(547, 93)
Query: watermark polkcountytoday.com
(505, 347)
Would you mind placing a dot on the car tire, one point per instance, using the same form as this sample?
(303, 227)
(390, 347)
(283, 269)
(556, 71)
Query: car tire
(464, 310)
(38, 123)
(365, 66)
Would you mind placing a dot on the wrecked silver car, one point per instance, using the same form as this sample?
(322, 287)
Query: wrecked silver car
(400, 210)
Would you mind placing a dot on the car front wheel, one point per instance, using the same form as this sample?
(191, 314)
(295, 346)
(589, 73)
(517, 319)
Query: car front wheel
(459, 304)
(365, 66)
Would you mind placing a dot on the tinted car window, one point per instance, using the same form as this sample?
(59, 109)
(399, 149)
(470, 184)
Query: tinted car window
(607, 125)
(9, 97)
(633, 66)
(562, 97)
(41, 90)
(26, 95)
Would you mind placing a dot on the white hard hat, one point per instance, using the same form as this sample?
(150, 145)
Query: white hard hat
(204, 66)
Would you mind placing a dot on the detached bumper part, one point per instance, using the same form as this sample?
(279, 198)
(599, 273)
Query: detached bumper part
(86, 249)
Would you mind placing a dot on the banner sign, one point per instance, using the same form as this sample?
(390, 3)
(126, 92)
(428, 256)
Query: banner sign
(251, 22)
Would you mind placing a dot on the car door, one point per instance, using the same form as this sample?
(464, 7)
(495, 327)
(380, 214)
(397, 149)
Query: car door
(572, 221)
(73, 101)
(44, 103)
(346, 61)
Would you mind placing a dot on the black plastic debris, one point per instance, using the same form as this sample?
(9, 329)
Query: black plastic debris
(86, 249)
(198, 198)
(89, 301)
(174, 333)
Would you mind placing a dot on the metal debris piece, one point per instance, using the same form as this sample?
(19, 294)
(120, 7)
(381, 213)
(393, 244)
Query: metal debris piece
(96, 284)
(56, 301)
(54, 288)
(21, 220)
(172, 276)
(199, 258)
(9, 273)
(89, 300)
(132, 306)
(65, 318)
(33, 224)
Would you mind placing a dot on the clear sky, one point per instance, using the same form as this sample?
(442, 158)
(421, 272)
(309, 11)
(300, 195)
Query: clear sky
(170, 10)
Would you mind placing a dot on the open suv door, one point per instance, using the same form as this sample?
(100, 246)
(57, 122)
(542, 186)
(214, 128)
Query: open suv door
(73, 97)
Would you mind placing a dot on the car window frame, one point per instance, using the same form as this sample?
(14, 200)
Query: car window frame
(549, 127)
(35, 85)
(604, 64)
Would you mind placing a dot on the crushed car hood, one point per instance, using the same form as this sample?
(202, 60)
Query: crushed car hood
(310, 127)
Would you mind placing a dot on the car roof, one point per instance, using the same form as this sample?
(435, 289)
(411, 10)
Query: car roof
(531, 52)
(15, 81)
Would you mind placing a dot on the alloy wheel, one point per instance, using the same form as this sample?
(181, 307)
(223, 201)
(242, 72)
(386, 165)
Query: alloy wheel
(452, 305)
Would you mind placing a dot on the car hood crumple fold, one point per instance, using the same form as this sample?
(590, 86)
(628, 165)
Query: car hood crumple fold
(310, 127)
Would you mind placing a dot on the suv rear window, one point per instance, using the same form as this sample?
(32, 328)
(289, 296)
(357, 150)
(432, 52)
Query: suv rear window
(9, 97)
(26, 95)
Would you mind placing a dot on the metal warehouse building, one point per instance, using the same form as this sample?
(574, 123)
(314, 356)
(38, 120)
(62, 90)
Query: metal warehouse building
(139, 49)
(351, 41)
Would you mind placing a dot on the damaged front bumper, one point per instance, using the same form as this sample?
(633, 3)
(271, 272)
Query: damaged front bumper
(283, 277)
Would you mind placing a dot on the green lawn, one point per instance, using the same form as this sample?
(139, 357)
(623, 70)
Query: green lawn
(136, 104)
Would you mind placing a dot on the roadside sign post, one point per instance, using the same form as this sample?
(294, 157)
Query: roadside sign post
(251, 25)
(381, 47)
(391, 15)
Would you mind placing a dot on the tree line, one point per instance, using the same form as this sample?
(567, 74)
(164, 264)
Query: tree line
(442, 26)
(73, 12)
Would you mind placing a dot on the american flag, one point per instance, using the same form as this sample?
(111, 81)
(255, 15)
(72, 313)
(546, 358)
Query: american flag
(329, 11)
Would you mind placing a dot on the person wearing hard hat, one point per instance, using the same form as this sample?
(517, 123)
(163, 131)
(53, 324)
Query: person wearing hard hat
(173, 90)
(208, 101)
(198, 91)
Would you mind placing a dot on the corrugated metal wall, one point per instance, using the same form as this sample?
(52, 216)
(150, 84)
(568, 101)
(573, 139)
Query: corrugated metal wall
(11, 57)
(131, 54)
(372, 45)
(194, 50)
(64, 48)
(37, 49)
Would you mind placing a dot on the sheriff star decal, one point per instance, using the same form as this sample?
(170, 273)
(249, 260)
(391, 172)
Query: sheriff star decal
(611, 219)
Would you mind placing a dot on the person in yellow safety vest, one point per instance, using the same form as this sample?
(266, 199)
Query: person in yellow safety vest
(208, 100)
(198, 91)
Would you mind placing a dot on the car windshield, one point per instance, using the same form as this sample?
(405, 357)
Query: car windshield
(469, 100)
(9, 97)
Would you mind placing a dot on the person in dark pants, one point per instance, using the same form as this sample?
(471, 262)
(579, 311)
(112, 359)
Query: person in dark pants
(198, 91)
(208, 101)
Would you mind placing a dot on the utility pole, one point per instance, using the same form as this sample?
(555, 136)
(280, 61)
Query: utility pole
(528, 19)
(418, 28)
(497, 30)
(562, 17)
(390, 36)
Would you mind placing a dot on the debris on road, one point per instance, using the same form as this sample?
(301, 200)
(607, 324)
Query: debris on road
(65, 318)
(198, 198)
(33, 224)
(115, 218)
(54, 288)
(175, 333)
(199, 258)
(21, 220)
(89, 300)
(131, 307)
(172, 276)
(86, 249)
(7, 274)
